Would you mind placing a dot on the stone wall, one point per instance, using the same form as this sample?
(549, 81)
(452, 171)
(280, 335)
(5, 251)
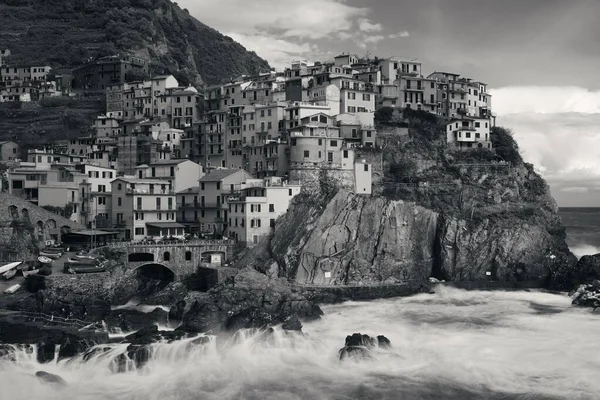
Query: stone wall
(24, 227)
(183, 259)
(310, 178)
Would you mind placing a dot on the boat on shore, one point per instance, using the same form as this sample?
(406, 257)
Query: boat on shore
(54, 256)
(84, 269)
(9, 267)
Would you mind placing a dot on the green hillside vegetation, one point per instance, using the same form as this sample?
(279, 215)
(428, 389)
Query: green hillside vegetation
(66, 32)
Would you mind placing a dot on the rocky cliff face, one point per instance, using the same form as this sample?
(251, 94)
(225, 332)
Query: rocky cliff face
(358, 239)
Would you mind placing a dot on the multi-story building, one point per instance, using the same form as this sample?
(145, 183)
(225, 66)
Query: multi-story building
(108, 71)
(255, 205)
(180, 174)
(213, 192)
(105, 126)
(144, 207)
(469, 132)
(9, 151)
(96, 196)
(188, 209)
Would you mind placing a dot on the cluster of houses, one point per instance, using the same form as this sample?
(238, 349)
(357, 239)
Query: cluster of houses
(168, 160)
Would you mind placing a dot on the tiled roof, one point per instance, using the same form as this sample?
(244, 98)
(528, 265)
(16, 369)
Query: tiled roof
(218, 175)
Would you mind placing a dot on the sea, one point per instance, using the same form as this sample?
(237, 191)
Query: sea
(583, 229)
(452, 344)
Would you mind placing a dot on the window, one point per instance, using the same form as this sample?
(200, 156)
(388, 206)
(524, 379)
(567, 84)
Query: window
(477, 125)
(271, 207)
(218, 185)
(188, 256)
(366, 167)
(119, 201)
(167, 256)
(139, 231)
(306, 153)
(345, 153)
(272, 223)
(333, 143)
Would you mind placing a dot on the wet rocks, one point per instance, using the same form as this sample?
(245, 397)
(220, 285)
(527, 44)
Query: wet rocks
(50, 378)
(292, 324)
(249, 300)
(587, 295)
(358, 345)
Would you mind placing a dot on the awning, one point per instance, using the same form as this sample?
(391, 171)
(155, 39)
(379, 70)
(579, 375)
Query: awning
(165, 225)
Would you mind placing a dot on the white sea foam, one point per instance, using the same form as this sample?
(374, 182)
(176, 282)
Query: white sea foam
(450, 345)
(581, 250)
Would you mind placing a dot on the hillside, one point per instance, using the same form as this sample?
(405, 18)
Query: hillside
(49, 120)
(65, 32)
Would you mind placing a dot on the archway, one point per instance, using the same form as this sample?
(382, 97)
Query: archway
(134, 257)
(25, 215)
(40, 230)
(65, 229)
(14, 212)
(156, 271)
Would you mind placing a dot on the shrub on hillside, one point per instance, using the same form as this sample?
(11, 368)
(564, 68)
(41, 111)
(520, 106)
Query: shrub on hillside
(384, 115)
(505, 145)
(403, 170)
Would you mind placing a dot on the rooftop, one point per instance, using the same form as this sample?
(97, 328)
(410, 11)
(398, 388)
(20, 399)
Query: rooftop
(194, 189)
(218, 175)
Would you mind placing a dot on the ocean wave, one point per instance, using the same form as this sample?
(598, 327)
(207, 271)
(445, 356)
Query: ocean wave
(581, 250)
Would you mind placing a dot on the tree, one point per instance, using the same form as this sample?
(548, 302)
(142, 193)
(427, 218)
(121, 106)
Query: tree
(505, 145)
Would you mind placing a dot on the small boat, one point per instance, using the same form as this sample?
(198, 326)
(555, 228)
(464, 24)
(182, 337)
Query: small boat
(84, 269)
(54, 250)
(82, 261)
(44, 260)
(10, 266)
(54, 256)
(10, 274)
(85, 257)
(13, 289)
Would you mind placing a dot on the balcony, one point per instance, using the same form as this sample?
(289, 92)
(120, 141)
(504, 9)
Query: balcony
(215, 206)
(150, 192)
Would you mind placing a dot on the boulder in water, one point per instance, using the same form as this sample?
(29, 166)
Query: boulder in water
(359, 345)
(292, 324)
(45, 352)
(587, 295)
(50, 378)
(249, 300)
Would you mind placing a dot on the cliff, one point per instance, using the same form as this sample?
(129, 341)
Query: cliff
(435, 212)
(65, 32)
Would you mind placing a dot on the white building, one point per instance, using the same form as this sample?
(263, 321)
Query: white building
(469, 132)
(255, 205)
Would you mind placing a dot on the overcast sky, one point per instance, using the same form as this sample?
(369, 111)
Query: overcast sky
(540, 56)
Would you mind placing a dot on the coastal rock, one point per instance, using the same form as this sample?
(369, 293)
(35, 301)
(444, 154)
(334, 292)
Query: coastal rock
(373, 240)
(250, 300)
(359, 345)
(50, 378)
(176, 311)
(292, 324)
(151, 334)
(587, 295)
